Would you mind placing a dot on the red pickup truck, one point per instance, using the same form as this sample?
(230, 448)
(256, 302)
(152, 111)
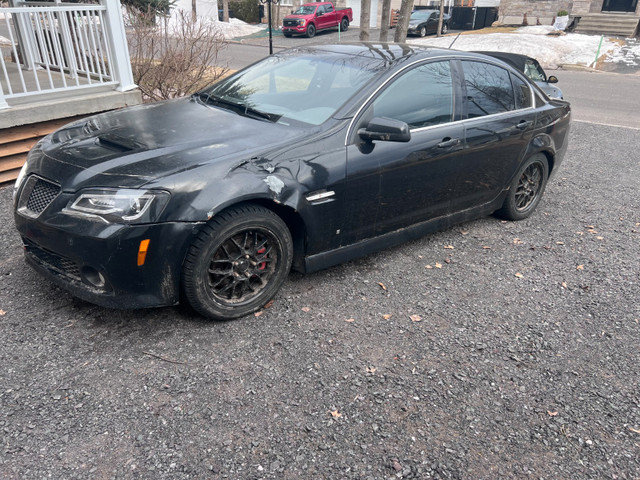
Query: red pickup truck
(311, 17)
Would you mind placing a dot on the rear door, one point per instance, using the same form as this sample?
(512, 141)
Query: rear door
(499, 124)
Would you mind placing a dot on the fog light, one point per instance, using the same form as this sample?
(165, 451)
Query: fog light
(93, 277)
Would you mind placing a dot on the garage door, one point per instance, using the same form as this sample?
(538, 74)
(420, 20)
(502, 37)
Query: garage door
(355, 6)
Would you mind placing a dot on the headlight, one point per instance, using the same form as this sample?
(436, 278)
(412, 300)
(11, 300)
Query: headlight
(302, 22)
(35, 151)
(119, 206)
(19, 181)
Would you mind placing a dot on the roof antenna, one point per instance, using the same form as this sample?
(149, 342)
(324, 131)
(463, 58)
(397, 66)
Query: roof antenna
(454, 40)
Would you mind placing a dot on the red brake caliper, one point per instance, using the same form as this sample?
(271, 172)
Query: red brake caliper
(263, 265)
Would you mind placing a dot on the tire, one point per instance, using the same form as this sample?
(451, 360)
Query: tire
(344, 24)
(445, 29)
(422, 32)
(237, 263)
(311, 30)
(526, 189)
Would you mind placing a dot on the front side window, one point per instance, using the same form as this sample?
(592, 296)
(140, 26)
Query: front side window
(420, 97)
(488, 89)
(534, 72)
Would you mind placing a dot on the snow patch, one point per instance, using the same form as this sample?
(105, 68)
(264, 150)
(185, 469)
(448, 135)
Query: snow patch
(535, 41)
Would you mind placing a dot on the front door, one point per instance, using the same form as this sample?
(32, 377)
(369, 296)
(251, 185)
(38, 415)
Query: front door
(391, 185)
(619, 6)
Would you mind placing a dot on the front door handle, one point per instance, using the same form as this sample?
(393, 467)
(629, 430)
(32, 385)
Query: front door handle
(448, 142)
(524, 124)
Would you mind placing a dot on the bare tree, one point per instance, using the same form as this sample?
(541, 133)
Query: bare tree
(403, 21)
(225, 11)
(365, 16)
(174, 59)
(385, 21)
(194, 13)
(439, 31)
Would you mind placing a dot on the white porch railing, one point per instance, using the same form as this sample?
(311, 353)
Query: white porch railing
(52, 47)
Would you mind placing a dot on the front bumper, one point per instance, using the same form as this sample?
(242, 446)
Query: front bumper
(298, 29)
(98, 262)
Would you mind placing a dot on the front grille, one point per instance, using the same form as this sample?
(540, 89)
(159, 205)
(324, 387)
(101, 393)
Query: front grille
(36, 195)
(290, 23)
(53, 261)
(42, 195)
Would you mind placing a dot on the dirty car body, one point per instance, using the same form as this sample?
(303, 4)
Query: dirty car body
(307, 159)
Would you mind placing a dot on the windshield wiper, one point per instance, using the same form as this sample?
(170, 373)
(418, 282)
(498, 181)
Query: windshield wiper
(237, 107)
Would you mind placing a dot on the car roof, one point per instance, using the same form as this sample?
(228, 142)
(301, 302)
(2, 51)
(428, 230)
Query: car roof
(516, 59)
(392, 53)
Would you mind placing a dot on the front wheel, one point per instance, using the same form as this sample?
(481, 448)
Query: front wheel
(422, 31)
(237, 263)
(344, 25)
(311, 30)
(526, 189)
(445, 29)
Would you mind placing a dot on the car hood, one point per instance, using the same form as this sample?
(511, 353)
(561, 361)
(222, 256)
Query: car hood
(299, 16)
(138, 145)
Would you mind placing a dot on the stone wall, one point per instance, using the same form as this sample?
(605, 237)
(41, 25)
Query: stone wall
(511, 12)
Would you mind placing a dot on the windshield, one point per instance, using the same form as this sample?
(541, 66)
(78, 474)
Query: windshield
(305, 10)
(291, 88)
(421, 15)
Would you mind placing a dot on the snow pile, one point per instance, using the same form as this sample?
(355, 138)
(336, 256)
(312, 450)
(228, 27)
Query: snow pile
(535, 41)
(207, 12)
(236, 28)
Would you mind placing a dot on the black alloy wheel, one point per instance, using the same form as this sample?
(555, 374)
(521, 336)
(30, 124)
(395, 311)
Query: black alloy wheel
(344, 25)
(527, 189)
(237, 262)
(311, 30)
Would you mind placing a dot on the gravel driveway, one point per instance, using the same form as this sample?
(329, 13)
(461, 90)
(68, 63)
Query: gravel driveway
(490, 350)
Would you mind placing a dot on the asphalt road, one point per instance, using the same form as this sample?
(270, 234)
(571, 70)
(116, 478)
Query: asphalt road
(490, 350)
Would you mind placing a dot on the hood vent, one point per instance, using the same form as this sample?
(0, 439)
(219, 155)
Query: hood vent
(118, 143)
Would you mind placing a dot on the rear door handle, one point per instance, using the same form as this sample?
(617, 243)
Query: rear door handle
(448, 142)
(524, 124)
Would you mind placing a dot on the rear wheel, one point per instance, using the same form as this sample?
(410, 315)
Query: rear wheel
(344, 25)
(237, 262)
(311, 30)
(527, 189)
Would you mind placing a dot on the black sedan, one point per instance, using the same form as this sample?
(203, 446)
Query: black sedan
(423, 22)
(307, 159)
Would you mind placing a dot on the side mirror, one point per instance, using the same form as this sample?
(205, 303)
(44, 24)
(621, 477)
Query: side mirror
(385, 130)
(552, 79)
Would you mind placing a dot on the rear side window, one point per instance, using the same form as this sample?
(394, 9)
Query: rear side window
(523, 93)
(421, 97)
(488, 89)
